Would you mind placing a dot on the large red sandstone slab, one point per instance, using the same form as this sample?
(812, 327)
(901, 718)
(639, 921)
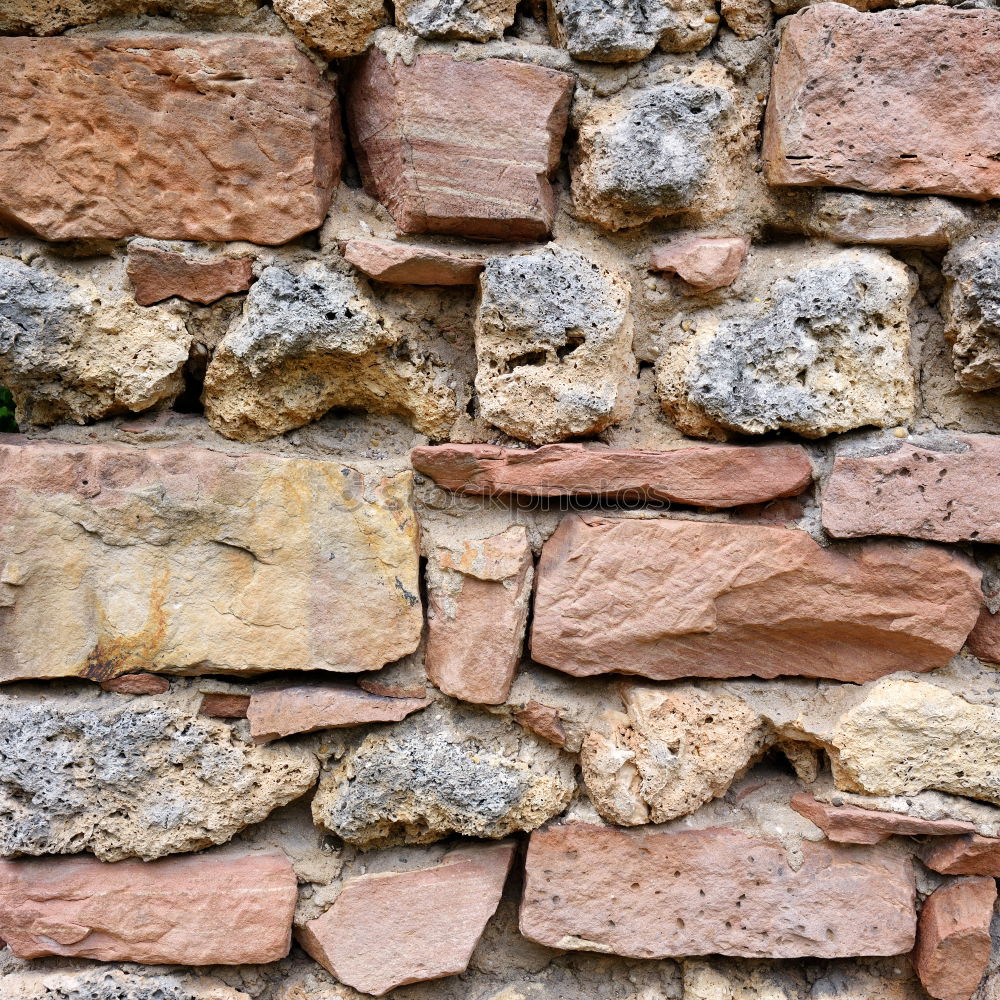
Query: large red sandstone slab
(305, 708)
(856, 103)
(157, 274)
(944, 496)
(953, 938)
(708, 476)
(854, 825)
(393, 928)
(714, 891)
(217, 909)
(406, 264)
(461, 147)
(969, 854)
(669, 598)
(172, 136)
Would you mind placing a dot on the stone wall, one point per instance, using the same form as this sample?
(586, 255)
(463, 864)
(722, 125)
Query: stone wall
(505, 500)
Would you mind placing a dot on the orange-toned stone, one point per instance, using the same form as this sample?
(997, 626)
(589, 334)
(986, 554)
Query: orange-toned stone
(713, 891)
(953, 938)
(393, 928)
(854, 825)
(969, 854)
(544, 721)
(223, 908)
(225, 706)
(704, 262)
(707, 476)
(406, 264)
(305, 708)
(202, 137)
(984, 640)
(136, 684)
(901, 130)
(158, 274)
(669, 598)
(460, 147)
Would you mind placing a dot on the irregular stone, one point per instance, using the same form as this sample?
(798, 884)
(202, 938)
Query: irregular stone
(186, 561)
(384, 690)
(610, 31)
(707, 476)
(50, 17)
(257, 124)
(479, 20)
(880, 220)
(848, 824)
(968, 854)
(984, 639)
(136, 684)
(114, 984)
(971, 308)
(658, 152)
(941, 493)
(440, 772)
(226, 908)
(953, 938)
(602, 889)
(477, 595)
(891, 135)
(392, 928)
(672, 752)
(671, 598)
(544, 721)
(828, 351)
(704, 262)
(225, 706)
(554, 345)
(124, 777)
(62, 344)
(312, 340)
(305, 708)
(747, 18)
(158, 273)
(466, 148)
(407, 264)
(337, 28)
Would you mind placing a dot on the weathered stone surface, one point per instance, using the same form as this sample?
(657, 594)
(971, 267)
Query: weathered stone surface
(827, 351)
(968, 854)
(984, 639)
(901, 131)
(708, 476)
(393, 928)
(544, 721)
(953, 938)
(943, 493)
(158, 273)
(460, 147)
(554, 345)
(407, 264)
(670, 598)
(304, 708)
(715, 891)
(337, 28)
(478, 20)
(971, 307)
(384, 690)
(478, 594)
(439, 772)
(747, 18)
(226, 908)
(124, 777)
(671, 753)
(113, 984)
(62, 342)
(136, 684)
(87, 119)
(848, 824)
(658, 152)
(49, 17)
(311, 340)
(704, 262)
(186, 561)
(610, 31)
(225, 706)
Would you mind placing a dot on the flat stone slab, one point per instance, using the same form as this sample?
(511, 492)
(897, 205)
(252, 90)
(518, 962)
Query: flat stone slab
(704, 262)
(157, 274)
(712, 892)
(406, 264)
(969, 854)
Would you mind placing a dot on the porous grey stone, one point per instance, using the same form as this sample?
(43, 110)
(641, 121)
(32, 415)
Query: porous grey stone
(827, 353)
(113, 984)
(124, 777)
(554, 345)
(478, 20)
(446, 770)
(971, 307)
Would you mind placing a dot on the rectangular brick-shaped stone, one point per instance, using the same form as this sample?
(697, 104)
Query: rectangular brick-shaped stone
(896, 101)
(669, 598)
(187, 561)
(714, 891)
(216, 909)
(196, 137)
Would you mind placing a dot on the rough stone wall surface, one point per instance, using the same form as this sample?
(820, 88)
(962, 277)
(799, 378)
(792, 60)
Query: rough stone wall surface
(501, 501)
